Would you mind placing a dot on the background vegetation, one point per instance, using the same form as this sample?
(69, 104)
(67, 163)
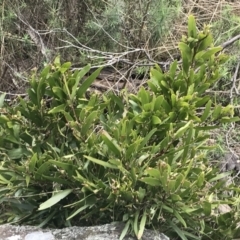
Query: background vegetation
(126, 38)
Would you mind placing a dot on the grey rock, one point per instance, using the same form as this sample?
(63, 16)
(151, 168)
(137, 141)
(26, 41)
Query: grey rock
(105, 232)
(230, 162)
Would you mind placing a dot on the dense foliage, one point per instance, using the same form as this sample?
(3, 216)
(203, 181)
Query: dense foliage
(69, 157)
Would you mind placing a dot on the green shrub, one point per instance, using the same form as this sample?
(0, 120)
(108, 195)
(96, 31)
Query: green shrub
(69, 159)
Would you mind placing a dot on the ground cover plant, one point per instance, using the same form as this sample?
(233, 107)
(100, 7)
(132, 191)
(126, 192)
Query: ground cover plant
(69, 157)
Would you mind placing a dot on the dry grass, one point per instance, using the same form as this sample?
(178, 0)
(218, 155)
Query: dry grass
(205, 12)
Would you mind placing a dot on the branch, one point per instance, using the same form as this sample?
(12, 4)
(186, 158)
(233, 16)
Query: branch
(230, 41)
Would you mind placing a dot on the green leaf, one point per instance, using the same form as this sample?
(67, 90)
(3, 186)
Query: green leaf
(3, 180)
(207, 207)
(32, 96)
(158, 103)
(210, 52)
(151, 181)
(2, 97)
(89, 202)
(33, 162)
(183, 129)
(87, 83)
(153, 172)
(206, 112)
(186, 53)
(135, 223)
(79, 76)
(44, 169)
(173, 69)
(67, 116)
(57, 61)
(205, 42)
(125, 230)
(179, 217)
(43, 223)
(142, 225)
(141, 193)
(68, 167)
(57, 109)
(15, 153)
(55, 199)
(144, 96)
(59, 93)
(100, 162)
(3, 119)
(220, 176)
(156, 120)
(200, 180)
(229, 119)
(65, 67)
(156, 76)
(147, 138)
(216, 112)
(112, 145)
(192, 29)
(28, 178)
(188, 141)
(177, 230)
(118, 101)
(88, 122)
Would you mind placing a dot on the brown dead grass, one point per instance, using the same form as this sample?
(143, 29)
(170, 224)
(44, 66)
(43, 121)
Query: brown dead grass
(205, 12)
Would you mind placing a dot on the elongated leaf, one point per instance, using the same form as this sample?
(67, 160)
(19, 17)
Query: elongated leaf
(182, 130)
(33, 162)
(135, 224)
(55, 199)
(88, 122)
(192, 29)
(2, 97)
(156, 76)
(173, 69)
(210, 52)
(43, 223)
(178, 230)
(68, 167)
(216, 112)
(100, 162)
(125, 230)
(15, 153)
(188, 143)
(89, 202)
(59, 93)
(147, 138)
(156, 120)
(113, 146)
(65, 66)
(142, 225)
(78, 211)
(158, 102)
(87, 83)
(179, 217)
(229, 119)
(57, 109)
(206, 112)
(186, 53)
(3, 119)
(79, 76)
(220, 176)
(153, 172)
(151, 181)
(144, 96)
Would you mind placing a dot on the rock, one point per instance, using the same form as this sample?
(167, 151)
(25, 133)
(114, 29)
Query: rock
(105, 232)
